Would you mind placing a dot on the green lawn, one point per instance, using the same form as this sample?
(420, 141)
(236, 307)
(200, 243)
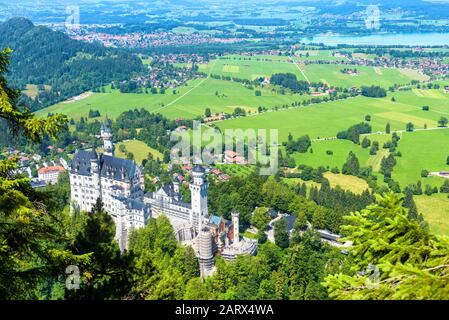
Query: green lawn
(236, 170)
(327, 119)
(422, 150)
(345, 182)
(313, 55)
(189, 102)
(139, 149)
(350, 183)
(384, 77)
(250, 67)
(340, 149)
(435, 210)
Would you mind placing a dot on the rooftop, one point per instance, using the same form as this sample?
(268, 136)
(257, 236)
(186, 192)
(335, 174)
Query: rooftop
(45, 170)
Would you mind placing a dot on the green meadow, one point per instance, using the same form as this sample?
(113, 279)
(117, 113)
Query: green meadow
(313, 55)
(422, 150)
(340, 149)
(345, 182)
(139, 149)
(250, 67)
(384, 77)
(435, 210)
(189, 102)
(327, 119)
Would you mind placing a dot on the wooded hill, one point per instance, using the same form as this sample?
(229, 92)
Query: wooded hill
(45, 57)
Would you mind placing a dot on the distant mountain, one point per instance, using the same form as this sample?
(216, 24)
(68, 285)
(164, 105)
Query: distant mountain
(45, 57)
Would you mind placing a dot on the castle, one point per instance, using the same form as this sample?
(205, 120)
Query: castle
(119, 184)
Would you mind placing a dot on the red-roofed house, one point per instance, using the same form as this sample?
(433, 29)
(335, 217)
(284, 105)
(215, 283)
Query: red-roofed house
(224, 177)
(50, 174)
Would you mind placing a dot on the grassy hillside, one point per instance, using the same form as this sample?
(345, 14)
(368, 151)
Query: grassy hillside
(435, 210)
(139, 149)
(327, 119)
(189, 102)
(42, 56)
(422, 150)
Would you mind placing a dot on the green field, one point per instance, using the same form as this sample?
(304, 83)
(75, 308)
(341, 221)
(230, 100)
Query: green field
(422, 150)
(384, 77)
(139, 149)
(313, 55)
(250, 67)
(189, 102)
(345, 182)
(253, 67)
(236, 170)
(327, 119)
(435, 210)
(340, 149)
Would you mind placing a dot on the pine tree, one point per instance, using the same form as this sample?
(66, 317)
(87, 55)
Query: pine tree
(411, 263)
(108, 274)
(445, 187)
(352, 166)
(408, 198)
(303, 190)
(32, 241)
(281, 234)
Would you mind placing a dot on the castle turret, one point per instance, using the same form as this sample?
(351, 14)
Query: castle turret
(95, 174)
(198, 190)
(176, 187)
(106, 135)
(235, 223)
(206, 255)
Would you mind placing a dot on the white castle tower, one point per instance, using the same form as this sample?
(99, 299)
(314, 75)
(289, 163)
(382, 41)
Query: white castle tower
(96, 179)
(198, 191)
(108, 143)
(235, 223)
(206, 254)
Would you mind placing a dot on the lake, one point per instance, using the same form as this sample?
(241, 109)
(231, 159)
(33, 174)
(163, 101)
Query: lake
(409, 39)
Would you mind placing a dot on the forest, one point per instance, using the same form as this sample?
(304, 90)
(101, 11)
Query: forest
(66, 66)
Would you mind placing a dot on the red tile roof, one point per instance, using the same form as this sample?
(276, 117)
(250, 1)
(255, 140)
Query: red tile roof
(50, 169)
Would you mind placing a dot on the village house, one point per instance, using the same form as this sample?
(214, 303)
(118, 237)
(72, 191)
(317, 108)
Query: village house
(50, 174)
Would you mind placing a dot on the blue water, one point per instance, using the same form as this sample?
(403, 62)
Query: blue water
(408, 39)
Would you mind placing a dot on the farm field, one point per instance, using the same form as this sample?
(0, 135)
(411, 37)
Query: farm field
(345, 182)
(250, 67)
(435, 210)
(190, 101)
(327, 119)
(340, 149)
(236, 170)
(139, 149)
(384, 77)
(313, 55)
(422, 150)
(349, 183)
